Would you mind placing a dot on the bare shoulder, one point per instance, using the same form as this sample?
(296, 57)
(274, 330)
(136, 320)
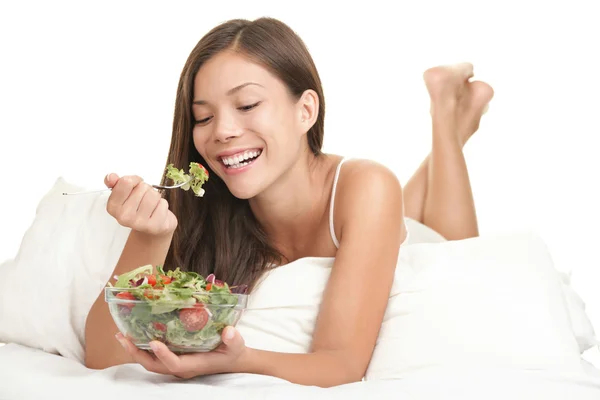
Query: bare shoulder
(356, 173)
(370, 189)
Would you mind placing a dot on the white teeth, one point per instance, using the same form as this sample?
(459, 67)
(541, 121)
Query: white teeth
(239, 165)
(238, 160)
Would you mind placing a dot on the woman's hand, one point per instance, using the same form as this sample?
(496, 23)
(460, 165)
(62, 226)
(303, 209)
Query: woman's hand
(137, 205)
(225, 358)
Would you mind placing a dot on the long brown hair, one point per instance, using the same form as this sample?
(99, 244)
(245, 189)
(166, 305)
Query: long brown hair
(219, 233)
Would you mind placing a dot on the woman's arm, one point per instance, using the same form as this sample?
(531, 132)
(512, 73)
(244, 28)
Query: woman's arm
(370, 226)
(369, 216)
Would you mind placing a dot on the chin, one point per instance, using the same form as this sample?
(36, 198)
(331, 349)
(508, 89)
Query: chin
(244, 193)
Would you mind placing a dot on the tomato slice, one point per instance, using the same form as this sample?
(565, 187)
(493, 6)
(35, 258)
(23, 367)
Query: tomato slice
(159, 326)
(151, 280)
(194, 319)
(126, 296)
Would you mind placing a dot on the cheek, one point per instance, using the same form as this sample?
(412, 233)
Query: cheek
(200, 138)
(196, 136)
(274, 122)
(262, 122)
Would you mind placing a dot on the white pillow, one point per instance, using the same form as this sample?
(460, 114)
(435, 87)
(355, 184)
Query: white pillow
(65, 259)
(282, 310)
(492, 301)
(580, 323)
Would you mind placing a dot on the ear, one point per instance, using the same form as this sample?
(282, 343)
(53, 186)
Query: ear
(308, 109)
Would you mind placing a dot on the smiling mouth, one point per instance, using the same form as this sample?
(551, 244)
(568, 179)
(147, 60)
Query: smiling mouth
(241, 159)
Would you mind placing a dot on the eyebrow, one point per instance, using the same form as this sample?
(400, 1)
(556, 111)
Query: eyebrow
(231, 91)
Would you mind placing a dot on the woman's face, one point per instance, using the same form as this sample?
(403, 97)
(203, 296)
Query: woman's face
(248, 128)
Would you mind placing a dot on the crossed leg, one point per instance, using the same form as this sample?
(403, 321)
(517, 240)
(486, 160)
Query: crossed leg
(439, 194)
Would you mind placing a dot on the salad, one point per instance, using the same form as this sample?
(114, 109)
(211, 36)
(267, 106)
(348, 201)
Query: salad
(199, 175)
(181, 309)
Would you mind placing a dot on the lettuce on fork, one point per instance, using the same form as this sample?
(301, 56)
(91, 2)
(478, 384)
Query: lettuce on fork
(198, 173)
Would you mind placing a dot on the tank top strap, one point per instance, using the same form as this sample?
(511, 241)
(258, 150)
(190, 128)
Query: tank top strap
(332, 202)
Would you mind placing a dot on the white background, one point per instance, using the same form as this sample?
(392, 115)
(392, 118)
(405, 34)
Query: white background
(88, 88)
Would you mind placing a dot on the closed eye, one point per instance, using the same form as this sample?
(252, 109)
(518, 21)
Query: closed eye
(202, 121)
(249, 107)
(243, 108)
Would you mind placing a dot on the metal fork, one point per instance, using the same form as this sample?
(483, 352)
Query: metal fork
(154, 186)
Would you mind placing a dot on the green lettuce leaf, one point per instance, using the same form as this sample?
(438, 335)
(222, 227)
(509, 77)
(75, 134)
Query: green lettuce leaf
(123, 279)
(195, 179)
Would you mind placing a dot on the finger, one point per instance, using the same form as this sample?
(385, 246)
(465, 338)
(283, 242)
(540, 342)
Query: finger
(123, 189)
(169, 359)
(110, 180)
(148, 203)
(133, 201)
(146, 360)
(159, 218)
(232, 339)
(160, 211)
(142, 357)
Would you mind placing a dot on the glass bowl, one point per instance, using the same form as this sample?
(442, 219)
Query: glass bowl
(188, 324)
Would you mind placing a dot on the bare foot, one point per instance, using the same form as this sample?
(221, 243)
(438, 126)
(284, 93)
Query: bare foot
(454, 96)
(472, 107)
(446, 85)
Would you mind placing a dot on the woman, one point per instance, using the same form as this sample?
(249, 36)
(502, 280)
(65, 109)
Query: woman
(250, 108)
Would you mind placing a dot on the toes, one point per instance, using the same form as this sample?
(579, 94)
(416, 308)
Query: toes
(464, 70)
(447, 82)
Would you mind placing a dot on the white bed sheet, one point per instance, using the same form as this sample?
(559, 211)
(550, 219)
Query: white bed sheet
(27, 373)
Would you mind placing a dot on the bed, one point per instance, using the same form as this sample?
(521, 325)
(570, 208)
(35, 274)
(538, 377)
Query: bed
(488, 317)
(51, 376)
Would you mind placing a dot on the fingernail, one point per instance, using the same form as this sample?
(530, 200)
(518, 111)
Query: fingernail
(230, 333)
(154, 347)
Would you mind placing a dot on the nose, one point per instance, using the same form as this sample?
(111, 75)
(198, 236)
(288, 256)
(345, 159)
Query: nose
(226, 128)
